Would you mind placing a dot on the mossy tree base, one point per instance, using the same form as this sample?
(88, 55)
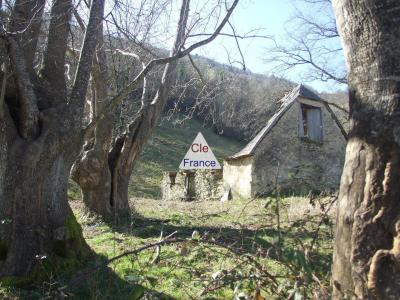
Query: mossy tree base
(67, 256)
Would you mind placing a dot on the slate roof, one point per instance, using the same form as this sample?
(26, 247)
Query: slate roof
(286, 103)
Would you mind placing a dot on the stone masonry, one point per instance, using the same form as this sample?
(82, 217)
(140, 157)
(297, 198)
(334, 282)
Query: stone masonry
(192, 185)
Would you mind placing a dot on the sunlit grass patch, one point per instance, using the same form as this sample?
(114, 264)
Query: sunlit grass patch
(251, 251)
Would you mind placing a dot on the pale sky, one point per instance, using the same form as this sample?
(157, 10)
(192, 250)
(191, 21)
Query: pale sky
(273, 16)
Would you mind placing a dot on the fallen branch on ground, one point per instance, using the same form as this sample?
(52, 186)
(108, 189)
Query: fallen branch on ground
(168, 240)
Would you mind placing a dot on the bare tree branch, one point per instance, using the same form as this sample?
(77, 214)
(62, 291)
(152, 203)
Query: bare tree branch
(78, 18)
(311, 44)
(243, 63)
(248, 35)
(154, 62)
(196, 68)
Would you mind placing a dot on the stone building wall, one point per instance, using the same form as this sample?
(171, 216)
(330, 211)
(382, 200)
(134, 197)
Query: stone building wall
(208, 184)
(173, 185)
(238, 176)
(192, 185)
(304, 165)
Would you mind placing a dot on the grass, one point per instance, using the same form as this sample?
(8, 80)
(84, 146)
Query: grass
(197, 270)
(194, 270)
(166, 150)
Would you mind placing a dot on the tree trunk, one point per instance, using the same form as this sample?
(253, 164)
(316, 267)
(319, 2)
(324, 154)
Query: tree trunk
(125, 153)
(91, 170)
(92, 173)
(37, 220)
(366, 256)
(105, 182)
(42, 135)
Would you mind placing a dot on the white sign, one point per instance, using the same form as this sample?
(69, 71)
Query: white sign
(199, 156)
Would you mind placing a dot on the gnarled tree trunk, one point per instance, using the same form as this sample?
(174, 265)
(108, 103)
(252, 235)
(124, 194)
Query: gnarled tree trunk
(91, 170)
(42, 135)
(37, 220)
(105, 179)
(367, 244)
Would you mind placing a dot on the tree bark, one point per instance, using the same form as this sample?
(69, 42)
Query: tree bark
(27, 19)
(105, 179)
(37, 220)
(366, 256)
(40, 145)
(54, 59)
(91, 170)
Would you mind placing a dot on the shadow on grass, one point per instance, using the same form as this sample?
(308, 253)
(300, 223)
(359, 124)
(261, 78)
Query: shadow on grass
(104, 283)
(74, 276)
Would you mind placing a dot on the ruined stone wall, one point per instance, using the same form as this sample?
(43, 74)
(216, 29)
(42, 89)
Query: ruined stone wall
(208, 184)
(173, 187)
(203, 185)
(238, 176)
(304, 165)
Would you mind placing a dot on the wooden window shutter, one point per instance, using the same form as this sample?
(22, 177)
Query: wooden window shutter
(314, 124)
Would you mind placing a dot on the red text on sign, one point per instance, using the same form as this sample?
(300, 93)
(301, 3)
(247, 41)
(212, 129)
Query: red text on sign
(199, 148)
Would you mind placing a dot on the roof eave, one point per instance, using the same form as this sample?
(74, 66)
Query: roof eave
(230, 158)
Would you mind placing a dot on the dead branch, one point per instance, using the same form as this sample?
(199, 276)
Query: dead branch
(238, 36)
(158, 251)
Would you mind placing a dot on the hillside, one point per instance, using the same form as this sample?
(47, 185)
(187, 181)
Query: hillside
(233, 101)
(167, 148)
(236, 103)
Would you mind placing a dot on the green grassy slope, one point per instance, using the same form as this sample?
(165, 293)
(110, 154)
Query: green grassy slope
(166, 149)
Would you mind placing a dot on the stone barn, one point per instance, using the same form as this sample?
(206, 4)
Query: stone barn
(188, 185)
(300, 149)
